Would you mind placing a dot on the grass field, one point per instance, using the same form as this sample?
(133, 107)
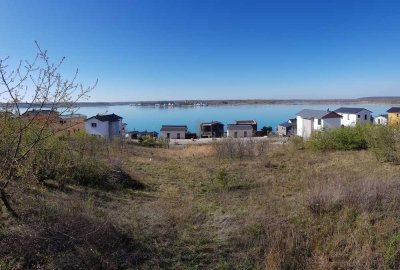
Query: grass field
(280, 209)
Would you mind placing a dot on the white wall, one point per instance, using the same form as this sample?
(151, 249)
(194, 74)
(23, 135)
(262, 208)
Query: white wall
(100, 130)
(353, 119)
(173, 134)
(380, 120)
(304, 127)
(240, 133)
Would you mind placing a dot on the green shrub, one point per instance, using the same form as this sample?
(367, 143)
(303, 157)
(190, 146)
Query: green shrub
(384, 143)
(344, 138)
(149, 141)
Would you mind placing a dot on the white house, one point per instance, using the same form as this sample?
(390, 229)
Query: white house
(173, 131)
(381, 119)
(240, 131)
(353, 116)
(106, 126)
(313, 120)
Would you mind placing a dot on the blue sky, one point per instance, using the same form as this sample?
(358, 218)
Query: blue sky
(214, 49)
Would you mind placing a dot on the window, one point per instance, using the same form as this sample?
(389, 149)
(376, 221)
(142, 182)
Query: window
(348, 117)
(235, 134)
(365, 117)
(245, 134)
(168, 135)
(319, 122)
(94, 125)
(178, 136)
(359, 116)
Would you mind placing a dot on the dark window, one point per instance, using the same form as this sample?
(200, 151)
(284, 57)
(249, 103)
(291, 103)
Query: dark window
(245, 134)
(178, 136)
(235, 134)
(319, 122)
(359, 116)
(94, 125)
(168, 135)
(365, 117)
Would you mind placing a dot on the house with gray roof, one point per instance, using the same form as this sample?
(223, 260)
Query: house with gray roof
(239, 131)
(288, 128)
(354, 116)
(105, 125)
(309, 121)
(173, 131)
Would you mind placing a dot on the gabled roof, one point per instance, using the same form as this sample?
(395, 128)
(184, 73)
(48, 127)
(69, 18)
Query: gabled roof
(239, 127)
(286, 124)
(317, 114)
(106, 117)
(382, 115)
(394, 110)
(350, 110)
(246, 122)
(174, 128)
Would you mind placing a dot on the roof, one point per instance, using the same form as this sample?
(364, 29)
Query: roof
(394, 110)
(211, 123)
(74, 115)
(239, 127)
(40, 111)
(382, 115)
(106, 117)
(174, 128)
(350, 110)
(318, 114)
(286, 124)
(246, 122)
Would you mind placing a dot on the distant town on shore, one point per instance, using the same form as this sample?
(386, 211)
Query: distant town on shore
(233, 102)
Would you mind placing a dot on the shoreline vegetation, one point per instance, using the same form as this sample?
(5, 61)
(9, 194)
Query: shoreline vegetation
(237, 102)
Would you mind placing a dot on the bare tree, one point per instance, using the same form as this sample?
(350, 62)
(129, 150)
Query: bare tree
(34, 86)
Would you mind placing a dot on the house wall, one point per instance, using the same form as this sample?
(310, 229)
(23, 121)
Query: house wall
(240, 133)
(353, 119)
(304, 127)
(331, 122)
(393, 118)
(282, 130)
(115, 128)
(101, 129)
(173, 134)
(73, 125)
(380, 120)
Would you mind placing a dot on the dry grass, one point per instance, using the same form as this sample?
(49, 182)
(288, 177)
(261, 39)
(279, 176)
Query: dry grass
(283, 208)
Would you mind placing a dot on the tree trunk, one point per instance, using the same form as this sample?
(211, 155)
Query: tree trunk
(6, 203)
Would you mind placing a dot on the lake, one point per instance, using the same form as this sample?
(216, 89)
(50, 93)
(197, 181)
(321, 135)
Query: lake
(151, 118)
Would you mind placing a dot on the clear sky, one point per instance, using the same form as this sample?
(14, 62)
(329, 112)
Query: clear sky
(214, 49)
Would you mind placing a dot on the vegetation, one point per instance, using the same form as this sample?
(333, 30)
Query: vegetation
(282, 207)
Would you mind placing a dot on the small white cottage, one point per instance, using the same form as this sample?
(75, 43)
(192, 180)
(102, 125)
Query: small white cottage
(354, 116)
(240, 131)
(381, 119)
(309, 121)
(173, 131)
(106, 126)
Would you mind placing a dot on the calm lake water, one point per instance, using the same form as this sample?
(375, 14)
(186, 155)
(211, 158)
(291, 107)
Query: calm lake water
(151, 118)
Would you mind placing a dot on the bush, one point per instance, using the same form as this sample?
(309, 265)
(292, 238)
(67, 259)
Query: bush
(344, 138)
(149, 141)
(384, 143)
